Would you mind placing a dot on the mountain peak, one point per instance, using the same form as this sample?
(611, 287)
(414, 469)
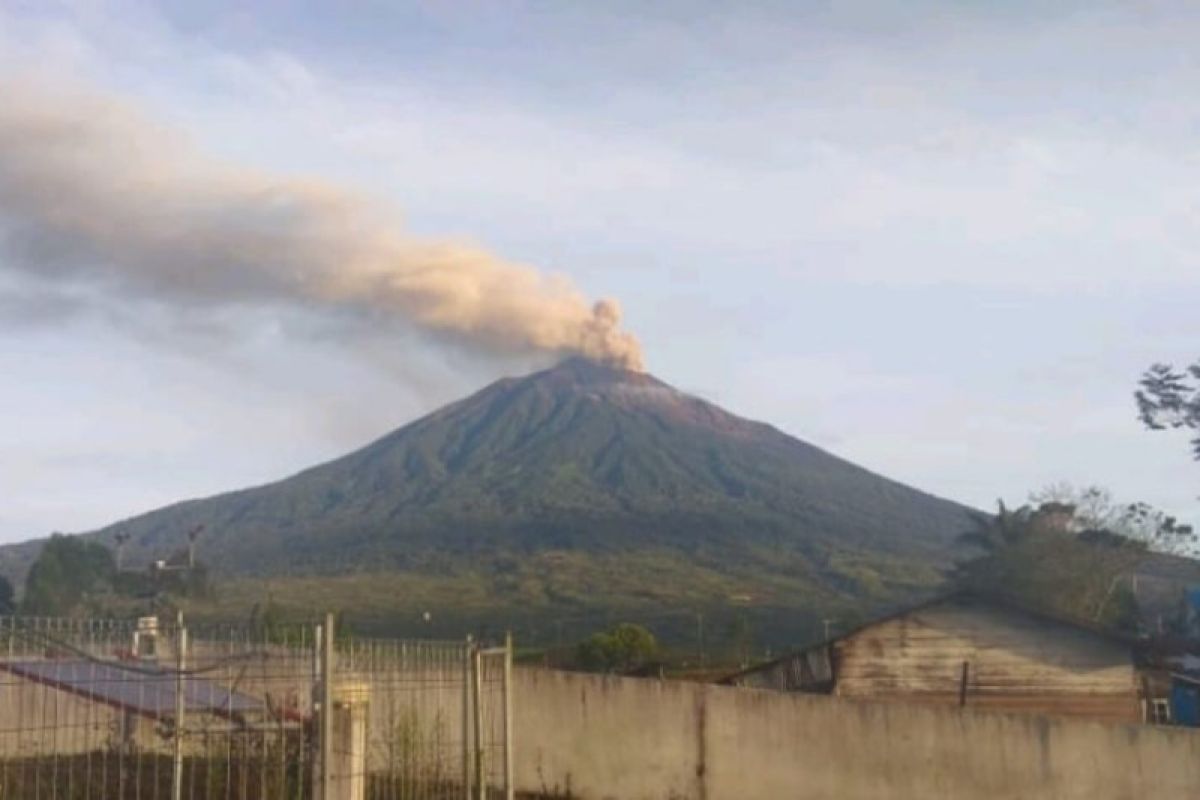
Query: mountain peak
(584, 371)
(614, 385)
(581, 463)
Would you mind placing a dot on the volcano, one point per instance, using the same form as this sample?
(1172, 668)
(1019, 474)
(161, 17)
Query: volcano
(578, 482)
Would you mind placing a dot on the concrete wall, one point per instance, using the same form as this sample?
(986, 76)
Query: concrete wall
(38, 720)
(630, 739)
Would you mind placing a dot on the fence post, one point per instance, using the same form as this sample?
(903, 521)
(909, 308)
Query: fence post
(327, 708)
(180, 708)
(466, 720)
(509, 778)
(477, 691)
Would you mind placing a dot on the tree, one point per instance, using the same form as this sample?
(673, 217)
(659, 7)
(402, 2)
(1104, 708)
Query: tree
(993, 534)
(1169, 399)
(1036, 557)
(621, 649)
(742, 637)
(8, 603)
(267, 621)
(66, 571)
(1094, 513)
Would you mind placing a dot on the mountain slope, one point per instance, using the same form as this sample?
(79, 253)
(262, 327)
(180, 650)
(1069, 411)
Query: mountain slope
(581, 459)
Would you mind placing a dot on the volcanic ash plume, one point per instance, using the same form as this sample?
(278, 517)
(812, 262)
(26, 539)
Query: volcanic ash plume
(93, 193)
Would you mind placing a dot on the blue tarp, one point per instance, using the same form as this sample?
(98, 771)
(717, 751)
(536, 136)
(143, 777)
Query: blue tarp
(1193, 598)
(1185, 703)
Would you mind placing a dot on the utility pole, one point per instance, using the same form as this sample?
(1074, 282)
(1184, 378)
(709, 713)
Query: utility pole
(191, 547)
(120, 539)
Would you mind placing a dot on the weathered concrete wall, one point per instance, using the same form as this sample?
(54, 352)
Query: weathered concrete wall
(629, 739)
(38, 720)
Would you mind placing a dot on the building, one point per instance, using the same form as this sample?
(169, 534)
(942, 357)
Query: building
(970, 651)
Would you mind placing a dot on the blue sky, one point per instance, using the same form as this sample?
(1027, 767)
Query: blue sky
(941, 240)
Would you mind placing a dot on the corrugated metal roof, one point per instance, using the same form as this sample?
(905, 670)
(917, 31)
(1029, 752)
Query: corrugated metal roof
(146, 690)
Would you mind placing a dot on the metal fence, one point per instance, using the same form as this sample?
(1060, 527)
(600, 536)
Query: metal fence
(148, 710)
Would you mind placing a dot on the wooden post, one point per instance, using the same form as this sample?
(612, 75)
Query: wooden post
(962, 686)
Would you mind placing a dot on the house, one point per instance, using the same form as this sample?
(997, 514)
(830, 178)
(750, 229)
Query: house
(967, 650)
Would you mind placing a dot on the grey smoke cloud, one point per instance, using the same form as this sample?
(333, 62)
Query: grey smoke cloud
(94, 193)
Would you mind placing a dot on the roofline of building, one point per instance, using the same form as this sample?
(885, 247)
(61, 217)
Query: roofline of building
(1179, 676)
(72, 689)
(1005, 602)
(78, 691)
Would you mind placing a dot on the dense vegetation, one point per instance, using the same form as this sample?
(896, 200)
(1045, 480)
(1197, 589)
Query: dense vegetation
(624, 648)
(8, 597)
(1054, 570)
(68, 572)
(1076, 554)
(75, 576)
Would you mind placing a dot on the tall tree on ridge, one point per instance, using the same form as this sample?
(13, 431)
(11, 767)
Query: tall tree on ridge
(1170, 399)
